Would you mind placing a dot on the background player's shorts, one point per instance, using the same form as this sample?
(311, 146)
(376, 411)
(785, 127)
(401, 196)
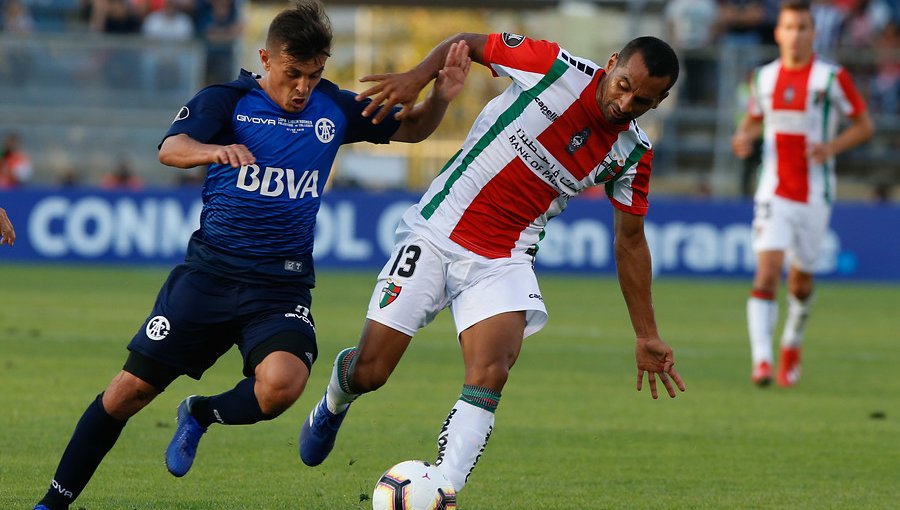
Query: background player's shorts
(796, 228)
(198, 317)
(421, 279)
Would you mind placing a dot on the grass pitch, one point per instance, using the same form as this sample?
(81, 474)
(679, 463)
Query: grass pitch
(571, 431)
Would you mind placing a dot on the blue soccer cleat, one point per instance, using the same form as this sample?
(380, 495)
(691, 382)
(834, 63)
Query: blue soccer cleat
(183, 448)
(41, 507)
(318, 434)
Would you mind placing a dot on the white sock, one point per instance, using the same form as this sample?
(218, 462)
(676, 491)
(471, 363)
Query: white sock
(762, 314)
(795, 324)
(462, 440)
(338, 396)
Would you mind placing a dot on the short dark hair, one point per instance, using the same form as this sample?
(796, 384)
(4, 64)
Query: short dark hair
(659, 57)
(796, 5)
(799, 6)
(302, 31)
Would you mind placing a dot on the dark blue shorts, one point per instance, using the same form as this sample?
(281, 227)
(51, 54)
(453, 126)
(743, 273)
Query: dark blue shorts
(198, 317)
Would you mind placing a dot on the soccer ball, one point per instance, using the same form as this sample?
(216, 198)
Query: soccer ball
(413, 485)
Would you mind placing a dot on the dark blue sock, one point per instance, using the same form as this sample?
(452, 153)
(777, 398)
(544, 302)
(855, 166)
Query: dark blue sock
(235, 407)
(94, 436)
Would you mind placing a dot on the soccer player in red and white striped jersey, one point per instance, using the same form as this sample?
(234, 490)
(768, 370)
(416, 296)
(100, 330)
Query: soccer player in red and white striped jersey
(564, 124)
(796, 104)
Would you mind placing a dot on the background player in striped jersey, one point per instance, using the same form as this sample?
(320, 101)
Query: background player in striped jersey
(270, 143)
(564, 124)
(795, 104)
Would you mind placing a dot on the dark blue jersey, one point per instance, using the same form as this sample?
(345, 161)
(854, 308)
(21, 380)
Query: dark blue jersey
(260, 219)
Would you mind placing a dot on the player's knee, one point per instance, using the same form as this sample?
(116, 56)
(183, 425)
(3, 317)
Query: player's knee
(275, 396)
(493, 375)
(126, 395)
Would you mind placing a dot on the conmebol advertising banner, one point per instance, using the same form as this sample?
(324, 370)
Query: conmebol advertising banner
(355, 230)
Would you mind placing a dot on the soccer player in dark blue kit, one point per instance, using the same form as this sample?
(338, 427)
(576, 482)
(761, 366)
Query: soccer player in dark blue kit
(270, 143)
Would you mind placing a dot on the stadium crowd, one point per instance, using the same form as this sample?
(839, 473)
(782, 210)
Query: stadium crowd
(842, 26)
(862, 35)
(218, 23)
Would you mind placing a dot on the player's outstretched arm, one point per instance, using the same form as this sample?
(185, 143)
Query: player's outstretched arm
(182, 151)
(652, 355)
(392, 89)
(7, 232)
(424, 118)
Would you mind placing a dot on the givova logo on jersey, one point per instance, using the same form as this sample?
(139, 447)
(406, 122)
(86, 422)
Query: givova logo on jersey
(275, 181)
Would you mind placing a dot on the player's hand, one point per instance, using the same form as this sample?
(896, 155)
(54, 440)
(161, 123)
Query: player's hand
(390, 90)
(235, 155)
(657, 359)
(7, 232)
(451, 78)
(818, 153)
(741, 145)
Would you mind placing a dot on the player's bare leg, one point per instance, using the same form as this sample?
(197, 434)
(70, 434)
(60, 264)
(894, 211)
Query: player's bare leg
(762, 313)
(800, 297)
(356, 370)
(490, 349)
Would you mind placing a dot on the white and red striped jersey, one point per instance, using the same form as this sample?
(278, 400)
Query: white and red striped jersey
(799, 107)
(531, 149)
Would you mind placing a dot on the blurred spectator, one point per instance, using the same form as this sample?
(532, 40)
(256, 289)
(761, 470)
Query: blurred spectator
(829, 19)
(164, 68)
(220, 24)
(14, 59)
(114, 17)
(864, 22)
(68, 177)
(886, 84)
(881, 192)
(690, 25)
(747, 22)
(145, 7)
(123, 177)
(743, 26)
(16, 18)
(15, 164)
(170, 23)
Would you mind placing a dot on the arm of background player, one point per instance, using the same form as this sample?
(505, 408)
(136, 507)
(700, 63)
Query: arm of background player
(747, 132)
(425, 117)
(182, 151)
(859, 130)
(652, 355)
(7, 232)
(403, 88)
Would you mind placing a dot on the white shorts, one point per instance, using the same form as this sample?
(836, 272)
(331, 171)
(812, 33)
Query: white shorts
(420, 279)
(792, 227)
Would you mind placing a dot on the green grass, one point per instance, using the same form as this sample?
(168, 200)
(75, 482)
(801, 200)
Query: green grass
(571, 431)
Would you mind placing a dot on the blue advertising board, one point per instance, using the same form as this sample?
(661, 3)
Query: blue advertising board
(355, 230)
